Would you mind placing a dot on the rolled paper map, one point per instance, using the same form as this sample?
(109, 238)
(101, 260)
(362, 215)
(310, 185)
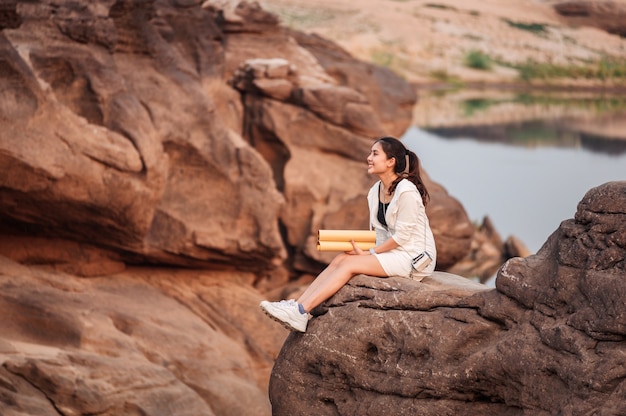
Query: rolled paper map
(339, 240)
(344, 245)
(346, 235)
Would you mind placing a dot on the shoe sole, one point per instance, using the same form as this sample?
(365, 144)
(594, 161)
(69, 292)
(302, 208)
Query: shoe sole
(283, 323)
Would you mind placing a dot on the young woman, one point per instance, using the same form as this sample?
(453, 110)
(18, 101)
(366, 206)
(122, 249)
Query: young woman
(397, 205)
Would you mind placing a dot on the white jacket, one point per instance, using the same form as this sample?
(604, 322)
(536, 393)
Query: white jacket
(406, 219)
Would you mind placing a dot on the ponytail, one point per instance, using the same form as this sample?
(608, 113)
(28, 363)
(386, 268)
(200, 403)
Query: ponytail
(414, 176)
(407, 165)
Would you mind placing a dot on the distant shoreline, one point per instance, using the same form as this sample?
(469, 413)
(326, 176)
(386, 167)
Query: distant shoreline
(518, 86)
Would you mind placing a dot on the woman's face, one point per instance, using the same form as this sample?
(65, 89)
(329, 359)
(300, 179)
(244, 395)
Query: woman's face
(377, 161)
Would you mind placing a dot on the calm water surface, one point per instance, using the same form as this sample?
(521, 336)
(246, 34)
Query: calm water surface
(526, 190)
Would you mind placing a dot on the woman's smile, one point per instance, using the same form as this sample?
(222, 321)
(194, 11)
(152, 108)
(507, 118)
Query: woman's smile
(376, 160)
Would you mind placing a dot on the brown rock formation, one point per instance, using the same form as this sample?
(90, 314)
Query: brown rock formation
(143, 341)
(549, 340)
(487, 253)
(140, 162)
(608, 15)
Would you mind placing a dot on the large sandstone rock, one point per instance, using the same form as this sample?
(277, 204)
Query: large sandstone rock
(551, 339)
(138, 342)
(389, 95)
(111, 134)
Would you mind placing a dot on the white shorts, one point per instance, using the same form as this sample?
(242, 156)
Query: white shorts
(395, 263)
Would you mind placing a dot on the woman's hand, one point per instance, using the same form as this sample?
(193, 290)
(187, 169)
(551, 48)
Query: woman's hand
(356, 250)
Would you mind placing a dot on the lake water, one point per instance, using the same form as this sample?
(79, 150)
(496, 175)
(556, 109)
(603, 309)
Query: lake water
(526, 188)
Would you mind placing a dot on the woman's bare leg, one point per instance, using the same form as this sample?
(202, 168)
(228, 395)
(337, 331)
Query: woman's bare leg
(336, 275)
(322, 276)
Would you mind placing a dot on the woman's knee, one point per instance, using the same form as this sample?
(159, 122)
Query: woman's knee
(338, 259)
(349, 264)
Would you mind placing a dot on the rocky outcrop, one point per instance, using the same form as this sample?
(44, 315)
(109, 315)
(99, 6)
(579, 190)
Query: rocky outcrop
(141, 162)
(607, 15)
(138, 342)
(550, 339)
(487, 253)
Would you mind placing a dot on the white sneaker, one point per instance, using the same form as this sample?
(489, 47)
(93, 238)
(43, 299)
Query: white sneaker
(287, 313)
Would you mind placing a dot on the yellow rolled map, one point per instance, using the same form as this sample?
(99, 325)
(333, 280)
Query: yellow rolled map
(346, 235)
(344, 245)
(339, 240)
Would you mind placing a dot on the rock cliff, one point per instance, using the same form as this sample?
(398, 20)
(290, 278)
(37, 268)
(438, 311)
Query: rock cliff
(550, 339)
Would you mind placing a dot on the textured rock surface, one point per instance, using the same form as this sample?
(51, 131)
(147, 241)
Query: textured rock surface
(94, 149)
(551, 339)
(608, 15)
(140, 342)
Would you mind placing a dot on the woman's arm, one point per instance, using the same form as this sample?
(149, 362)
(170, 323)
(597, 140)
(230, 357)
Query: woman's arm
(408, 220)
(390, 244)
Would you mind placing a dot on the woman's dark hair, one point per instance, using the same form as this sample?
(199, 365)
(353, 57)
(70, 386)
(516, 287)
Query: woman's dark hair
(394, 148)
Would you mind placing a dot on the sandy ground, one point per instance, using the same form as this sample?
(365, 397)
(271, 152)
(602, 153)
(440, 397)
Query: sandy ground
(429, 40)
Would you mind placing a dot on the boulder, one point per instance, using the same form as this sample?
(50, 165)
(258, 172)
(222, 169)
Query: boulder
(549, 339)
(487, 253)
(609, 15)
(140, 341)
(453, 231)
(140, 161)
(392, 98)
